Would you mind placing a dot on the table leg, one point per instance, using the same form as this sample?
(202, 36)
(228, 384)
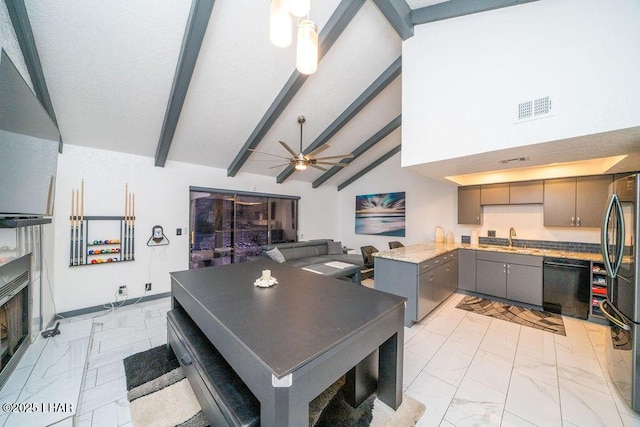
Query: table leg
(285, 406)
(361, 380)
(356, 278)
(390, 371)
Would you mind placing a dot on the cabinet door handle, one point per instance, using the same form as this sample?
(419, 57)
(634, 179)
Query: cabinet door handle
(437, 261)
(477, 220)
(508, 269)
(573, 221)
(578, 221)
(504, 268)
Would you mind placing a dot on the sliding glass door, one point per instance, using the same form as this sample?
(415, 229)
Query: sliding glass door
(227, 227)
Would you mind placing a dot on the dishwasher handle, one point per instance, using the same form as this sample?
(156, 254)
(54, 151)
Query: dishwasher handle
(558, 264)
(609, 316)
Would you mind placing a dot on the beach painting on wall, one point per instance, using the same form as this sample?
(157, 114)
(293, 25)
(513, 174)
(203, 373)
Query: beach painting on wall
(381, 214)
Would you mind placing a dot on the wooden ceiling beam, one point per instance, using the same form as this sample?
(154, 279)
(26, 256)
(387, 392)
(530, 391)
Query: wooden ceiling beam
(378, 85)
(363, 148)
(455, 8)
(371, 167)
(195, 30)
(398, 13)
(338, 21)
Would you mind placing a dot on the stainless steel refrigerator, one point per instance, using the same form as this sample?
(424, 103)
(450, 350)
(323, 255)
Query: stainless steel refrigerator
(622, 306)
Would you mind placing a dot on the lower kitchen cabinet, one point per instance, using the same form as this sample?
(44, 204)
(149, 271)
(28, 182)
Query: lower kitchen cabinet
(492, 278)
(511, 276)
(425, 285)
(467, 269)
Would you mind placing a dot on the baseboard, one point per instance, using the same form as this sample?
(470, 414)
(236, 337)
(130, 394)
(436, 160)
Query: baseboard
(101, 307)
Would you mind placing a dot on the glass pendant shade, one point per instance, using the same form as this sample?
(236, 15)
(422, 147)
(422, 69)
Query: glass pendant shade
(299, 8)
(307, 47)
(280, 24)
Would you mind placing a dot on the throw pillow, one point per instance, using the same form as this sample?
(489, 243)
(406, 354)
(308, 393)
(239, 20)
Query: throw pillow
(275, 255)
(334, 248)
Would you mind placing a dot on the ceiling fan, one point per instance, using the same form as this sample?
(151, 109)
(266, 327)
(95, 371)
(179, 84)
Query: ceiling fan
(300, 160)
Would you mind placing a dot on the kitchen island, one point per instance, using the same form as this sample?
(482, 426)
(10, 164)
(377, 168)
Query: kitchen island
(427, 274)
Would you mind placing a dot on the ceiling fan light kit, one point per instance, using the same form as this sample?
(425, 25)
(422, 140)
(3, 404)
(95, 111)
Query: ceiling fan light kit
(281, 21)
(301, 161)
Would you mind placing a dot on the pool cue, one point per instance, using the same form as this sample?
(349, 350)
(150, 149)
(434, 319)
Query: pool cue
(123, 257)
(77, 256)
(71, 227)
(133, 225)
(82, 250)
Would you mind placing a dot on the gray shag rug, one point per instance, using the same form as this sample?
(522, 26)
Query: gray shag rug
(160, 395)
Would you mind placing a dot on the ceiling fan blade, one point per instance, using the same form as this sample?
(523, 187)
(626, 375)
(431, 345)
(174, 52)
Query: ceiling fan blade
(340, 165)
(319, 167)
(318, 150)
(270, 154)
(340, 156)
(279, 166)
(289, 149)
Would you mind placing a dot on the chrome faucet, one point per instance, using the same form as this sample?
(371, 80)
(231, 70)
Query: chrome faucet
(512, 233)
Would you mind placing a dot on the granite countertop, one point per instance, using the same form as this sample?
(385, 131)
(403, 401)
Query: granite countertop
(426, 251)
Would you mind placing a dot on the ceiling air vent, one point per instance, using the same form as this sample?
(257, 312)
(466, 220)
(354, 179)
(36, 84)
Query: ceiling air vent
(533, 109)
(514, 160)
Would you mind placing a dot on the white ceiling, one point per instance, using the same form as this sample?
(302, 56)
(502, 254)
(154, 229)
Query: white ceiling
(109, 67)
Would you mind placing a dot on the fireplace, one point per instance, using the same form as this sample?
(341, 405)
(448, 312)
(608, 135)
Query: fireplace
(15, 314)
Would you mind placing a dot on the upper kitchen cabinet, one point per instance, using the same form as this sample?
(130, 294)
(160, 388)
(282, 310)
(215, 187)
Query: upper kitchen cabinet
(526, 192)
(469, 207)
(575, 202)
(494, 194)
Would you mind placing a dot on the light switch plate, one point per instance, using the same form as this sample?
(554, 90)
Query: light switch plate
(491, 233)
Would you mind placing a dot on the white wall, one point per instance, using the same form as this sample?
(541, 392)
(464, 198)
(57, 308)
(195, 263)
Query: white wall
(462, 78)
(161, 197)
(429, 203)
(528, 222)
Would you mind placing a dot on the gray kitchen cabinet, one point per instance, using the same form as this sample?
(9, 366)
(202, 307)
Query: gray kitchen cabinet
(575, 202)
(512, 276)
(469, 207)
(494, 194)
(425, 285)
(526, 192)
(467, 269)
(491, 278)
(591, 196)
(524, 283)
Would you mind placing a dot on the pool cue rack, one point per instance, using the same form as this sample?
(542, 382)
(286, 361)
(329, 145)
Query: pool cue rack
(98, 251)
(88, 247)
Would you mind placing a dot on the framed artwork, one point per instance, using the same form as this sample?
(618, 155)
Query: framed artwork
(381, 214)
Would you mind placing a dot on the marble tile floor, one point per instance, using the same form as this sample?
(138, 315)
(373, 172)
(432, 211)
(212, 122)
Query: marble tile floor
(467, 369)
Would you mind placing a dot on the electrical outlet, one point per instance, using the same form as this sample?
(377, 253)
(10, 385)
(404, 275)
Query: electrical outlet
(178, 231)
(122, 290)
(147, 287)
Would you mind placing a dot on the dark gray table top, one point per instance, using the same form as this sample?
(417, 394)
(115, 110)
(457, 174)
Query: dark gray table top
(291, 323)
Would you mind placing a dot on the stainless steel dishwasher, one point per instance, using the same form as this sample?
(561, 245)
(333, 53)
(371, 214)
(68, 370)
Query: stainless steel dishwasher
(566, 287)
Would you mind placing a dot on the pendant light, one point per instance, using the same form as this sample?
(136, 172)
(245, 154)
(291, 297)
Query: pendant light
(307, 47)
(280, 24)
(299, 8)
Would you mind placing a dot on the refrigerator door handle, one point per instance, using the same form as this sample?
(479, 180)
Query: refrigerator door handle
(612, 203)
(620, 237)
(609, 316)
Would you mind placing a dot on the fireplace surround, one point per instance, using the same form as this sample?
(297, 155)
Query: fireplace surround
(15, 313)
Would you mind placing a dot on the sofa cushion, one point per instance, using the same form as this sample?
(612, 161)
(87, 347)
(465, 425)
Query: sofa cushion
(275, 255)
(334, 248)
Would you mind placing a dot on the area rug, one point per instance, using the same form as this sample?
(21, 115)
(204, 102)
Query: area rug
(537, 319)
(160, 395)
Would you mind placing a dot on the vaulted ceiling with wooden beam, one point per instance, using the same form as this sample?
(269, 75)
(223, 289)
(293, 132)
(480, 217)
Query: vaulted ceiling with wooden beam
(199, 81)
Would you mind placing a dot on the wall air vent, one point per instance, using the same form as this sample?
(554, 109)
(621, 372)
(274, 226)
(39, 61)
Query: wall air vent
(533, 109)
(514, 160)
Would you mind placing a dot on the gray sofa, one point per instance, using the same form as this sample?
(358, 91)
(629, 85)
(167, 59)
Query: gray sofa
(303, 254)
